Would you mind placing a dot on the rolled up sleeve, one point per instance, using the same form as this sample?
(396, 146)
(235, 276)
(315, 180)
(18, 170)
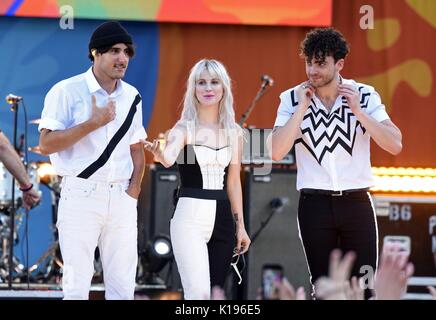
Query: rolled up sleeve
(54, 115)
(376, 108)
(285, 110)
(138, 130)
(50, 124)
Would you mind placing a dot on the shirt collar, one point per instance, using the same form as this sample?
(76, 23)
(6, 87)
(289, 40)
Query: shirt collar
(318, 104)
(94, 86)
(92, 82)
(348, 81)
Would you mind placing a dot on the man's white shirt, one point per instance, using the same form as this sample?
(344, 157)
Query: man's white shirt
(69, 103)
(333, 151)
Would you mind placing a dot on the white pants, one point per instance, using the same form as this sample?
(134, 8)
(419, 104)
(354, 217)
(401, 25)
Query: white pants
(96, 213)
(191, 229)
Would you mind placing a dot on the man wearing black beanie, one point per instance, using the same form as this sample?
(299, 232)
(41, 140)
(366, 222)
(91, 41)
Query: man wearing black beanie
(91, 127)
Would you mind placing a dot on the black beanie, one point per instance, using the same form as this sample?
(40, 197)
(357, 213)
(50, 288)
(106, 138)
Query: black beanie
(108, 34)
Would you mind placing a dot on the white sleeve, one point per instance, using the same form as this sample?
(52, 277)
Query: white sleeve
(55, 114)
(376, 109)
(137, 131)
(285, 110)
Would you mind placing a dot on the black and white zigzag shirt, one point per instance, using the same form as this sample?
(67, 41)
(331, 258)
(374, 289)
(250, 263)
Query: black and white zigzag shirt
(333, 150)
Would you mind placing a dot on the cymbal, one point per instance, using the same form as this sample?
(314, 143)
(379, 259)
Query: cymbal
(36, 150)
(35, 121)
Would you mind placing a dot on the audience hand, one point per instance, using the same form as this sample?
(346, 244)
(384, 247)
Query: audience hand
(393, 273)
(336, 285)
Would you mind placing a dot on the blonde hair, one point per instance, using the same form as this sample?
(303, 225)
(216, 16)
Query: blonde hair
(190, 102)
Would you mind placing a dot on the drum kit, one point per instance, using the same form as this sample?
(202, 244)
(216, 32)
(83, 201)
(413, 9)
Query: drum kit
(48, 266)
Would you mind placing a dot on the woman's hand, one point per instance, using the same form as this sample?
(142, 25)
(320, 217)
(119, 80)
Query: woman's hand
(153, 147)
(243, 240)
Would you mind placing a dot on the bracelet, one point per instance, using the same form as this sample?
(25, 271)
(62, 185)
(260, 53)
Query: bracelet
(27, 189)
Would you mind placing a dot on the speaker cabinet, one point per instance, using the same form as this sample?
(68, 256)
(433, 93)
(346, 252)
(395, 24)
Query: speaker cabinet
(278, 242)
(155, 204)
(411, 221)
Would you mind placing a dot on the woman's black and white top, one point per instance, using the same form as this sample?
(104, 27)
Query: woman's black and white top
(333, 151)
(203, 166)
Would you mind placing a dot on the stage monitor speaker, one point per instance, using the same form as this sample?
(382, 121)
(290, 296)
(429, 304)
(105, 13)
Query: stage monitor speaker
(155, 210)
(278, 242)
(411, 221)
(255, 149)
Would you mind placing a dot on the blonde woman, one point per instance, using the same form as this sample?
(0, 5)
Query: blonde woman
(207, 227)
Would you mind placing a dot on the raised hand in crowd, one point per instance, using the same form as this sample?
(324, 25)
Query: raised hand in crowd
(287, 292)
(217, 293)
(432, 291)
(336, 286)
(355, 290)
(284, 291)
(393, 273)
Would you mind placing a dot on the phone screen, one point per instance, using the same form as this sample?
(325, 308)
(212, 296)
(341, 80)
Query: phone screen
(404, 242)
(272, 276)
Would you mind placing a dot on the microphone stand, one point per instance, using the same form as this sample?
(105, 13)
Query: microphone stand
(54, 264)
(274, 208)
(259, 94)
(14, 109)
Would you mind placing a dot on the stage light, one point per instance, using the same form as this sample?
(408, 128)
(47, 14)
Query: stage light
(45, 172)
(157, 254)
(404, 180)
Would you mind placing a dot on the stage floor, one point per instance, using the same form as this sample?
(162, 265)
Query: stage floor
(54, 291)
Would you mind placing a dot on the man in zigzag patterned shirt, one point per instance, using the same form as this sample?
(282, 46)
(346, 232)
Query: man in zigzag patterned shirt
(331, 120)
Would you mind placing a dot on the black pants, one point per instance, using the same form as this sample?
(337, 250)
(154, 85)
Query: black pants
(346, 222)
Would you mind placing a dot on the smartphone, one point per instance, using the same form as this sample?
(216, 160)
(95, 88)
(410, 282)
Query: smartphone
(272, 276)
(403, 241)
